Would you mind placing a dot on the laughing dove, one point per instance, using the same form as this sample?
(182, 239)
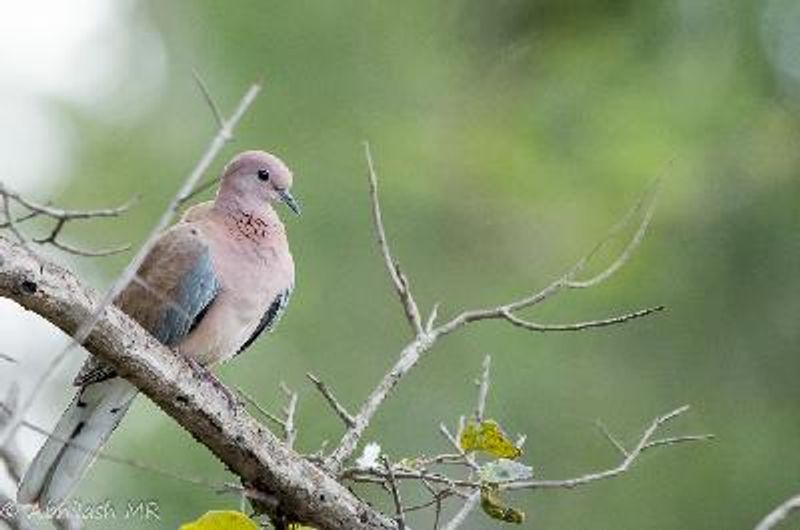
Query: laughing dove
(210, 286)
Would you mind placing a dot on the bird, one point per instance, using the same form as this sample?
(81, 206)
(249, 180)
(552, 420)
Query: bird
(211, 285)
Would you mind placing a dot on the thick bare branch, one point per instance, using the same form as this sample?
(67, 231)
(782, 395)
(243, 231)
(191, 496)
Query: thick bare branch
(189, 394)
(399, 280)
(84, 329)
(779, 514)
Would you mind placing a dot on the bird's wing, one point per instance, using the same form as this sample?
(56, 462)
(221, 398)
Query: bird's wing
(170, 294)
(271, 317)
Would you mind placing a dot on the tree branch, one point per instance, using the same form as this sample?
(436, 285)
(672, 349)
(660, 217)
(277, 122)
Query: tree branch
(426, 337)
(191, 395)
(779, 514)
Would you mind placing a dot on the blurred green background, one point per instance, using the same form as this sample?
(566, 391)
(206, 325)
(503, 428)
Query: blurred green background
(508, 136)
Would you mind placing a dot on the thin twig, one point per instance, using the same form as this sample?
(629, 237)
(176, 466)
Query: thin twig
(7, 358)
(70, 215)
(678, 439)
(452, 439)
(633, 244)
(461, 517)
(224, 134)
(327, 393)
(578, 326)
(400, 516)
(264, 412)
(10, 453)
(779, 514)
(483, 388)
(568, 279)
(289, 429)
(200, 188)
(431, 322)
(201, 84)
(99, 253)
(400, 282)
(19, 220)
(11, 222)
(610, 437)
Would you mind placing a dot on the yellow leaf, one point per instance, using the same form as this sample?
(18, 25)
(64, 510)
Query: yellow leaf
(495, 508)
(221, 520)
(487, 436)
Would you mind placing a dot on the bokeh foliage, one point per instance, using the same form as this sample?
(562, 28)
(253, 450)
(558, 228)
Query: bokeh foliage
(508, 136)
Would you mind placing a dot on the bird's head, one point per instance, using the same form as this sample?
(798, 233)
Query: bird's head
(261, 176)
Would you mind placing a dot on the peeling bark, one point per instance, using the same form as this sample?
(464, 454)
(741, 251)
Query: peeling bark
(292, 488)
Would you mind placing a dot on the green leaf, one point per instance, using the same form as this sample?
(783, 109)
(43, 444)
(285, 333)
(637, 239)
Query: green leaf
(495, 508)
(221, 520)
(504, 470)
(487, 436)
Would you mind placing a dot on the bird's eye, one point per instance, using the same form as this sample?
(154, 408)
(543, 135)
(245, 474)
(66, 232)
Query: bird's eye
(263, 174)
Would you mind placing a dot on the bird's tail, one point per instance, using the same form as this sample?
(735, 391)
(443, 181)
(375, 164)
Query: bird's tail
(83, 429)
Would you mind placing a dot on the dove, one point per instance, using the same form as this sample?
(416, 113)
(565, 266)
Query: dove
(211, 285)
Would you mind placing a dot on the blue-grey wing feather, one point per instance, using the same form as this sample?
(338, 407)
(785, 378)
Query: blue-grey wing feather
(176, 307)
(270, 319)
(196, 291)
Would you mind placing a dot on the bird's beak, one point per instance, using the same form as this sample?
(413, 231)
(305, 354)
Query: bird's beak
(289, 201)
